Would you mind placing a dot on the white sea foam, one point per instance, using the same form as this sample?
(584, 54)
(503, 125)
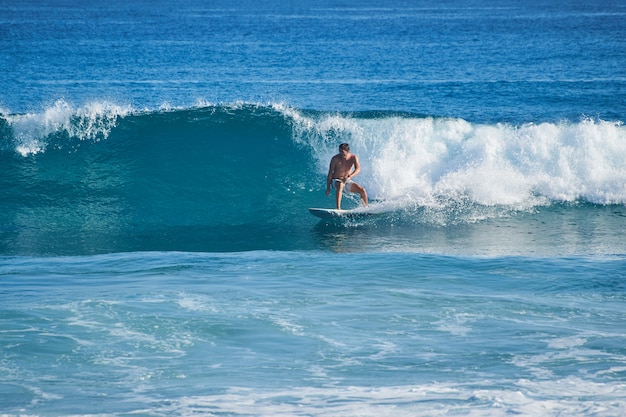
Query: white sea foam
(571, 396)
(433, 161)
(456, 323)
(288, 326)
(196, 303)
(92, 122)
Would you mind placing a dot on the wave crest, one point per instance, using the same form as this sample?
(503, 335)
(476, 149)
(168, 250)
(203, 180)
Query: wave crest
(407, 160)
(433, 161)
(32, 132)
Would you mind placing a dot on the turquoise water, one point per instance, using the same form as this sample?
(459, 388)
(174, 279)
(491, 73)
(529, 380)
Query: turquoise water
(85, 181)
(294, 333)
(157, 256)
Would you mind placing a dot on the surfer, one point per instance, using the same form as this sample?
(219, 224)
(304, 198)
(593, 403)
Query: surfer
(341, 172)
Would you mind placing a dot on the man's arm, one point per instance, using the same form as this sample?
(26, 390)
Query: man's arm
(357, 168)
(329, 177)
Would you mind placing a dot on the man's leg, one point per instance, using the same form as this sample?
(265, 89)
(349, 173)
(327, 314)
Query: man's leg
(356, 188)
(339, 193)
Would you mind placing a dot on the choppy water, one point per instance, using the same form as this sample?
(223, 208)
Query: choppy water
(292, 333)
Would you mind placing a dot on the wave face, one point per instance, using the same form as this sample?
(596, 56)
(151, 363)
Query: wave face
(106, 178)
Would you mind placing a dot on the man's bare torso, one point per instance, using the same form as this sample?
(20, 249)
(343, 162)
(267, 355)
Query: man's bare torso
(342, 167)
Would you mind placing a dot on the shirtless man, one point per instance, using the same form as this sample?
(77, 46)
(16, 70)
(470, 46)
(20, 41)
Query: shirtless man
(340, 175)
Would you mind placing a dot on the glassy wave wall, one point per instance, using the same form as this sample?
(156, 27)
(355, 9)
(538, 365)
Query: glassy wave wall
(108, 178)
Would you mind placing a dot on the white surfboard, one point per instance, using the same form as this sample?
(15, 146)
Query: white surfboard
(323, 213)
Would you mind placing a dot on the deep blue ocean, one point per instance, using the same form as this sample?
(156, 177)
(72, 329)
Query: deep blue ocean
(158, 159)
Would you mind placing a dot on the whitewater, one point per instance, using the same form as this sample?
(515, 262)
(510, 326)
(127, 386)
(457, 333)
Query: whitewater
(158, 160)
(421, 170)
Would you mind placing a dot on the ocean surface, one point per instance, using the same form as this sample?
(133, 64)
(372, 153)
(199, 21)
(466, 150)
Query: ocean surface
(158, 158)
